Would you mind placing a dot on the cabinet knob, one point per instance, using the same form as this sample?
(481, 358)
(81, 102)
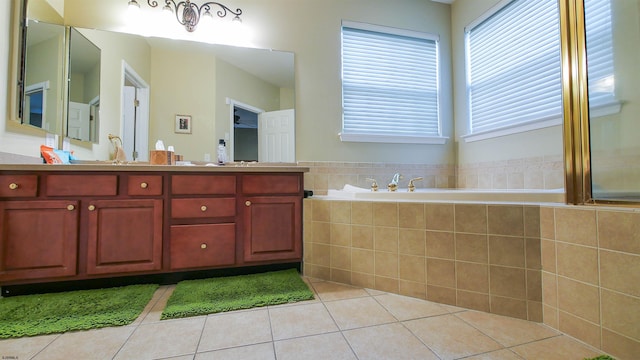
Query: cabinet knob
(70, 207)
(203, 246)
(247, 203)
(13, 186)
(203, 208)
(144, 185)
(91, 207)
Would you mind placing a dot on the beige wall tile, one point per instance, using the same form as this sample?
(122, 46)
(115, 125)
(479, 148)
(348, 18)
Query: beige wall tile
(472, 276)
(411, 215)
(619, 346)
(509, 307)
(412, 242)
(579, 299)
(413, 289)
(472, 300)
(507, 251)
(620, 271)
(621, 313)
(362, 237)
(533, 253)
(534, 311)
(506, 220)
(386, 239)
(340, 234)
(321, 210)
(307, 208)
(439, 217)
(340, 212)
(576, 226)
(472, 247)
(550, 316)
(532, 221)
(534, 285)
(362, 261)
(362, 213)
(321, 232)
(363, 280)
(441, 294)
(341, 276)
(340, 257)
(319, 272)
(579, 328)
(471, 218)
(321, 254)
(547, 223)
(385, 214)
(619, 230)
(548, 255)
(508, 282)
(549, 289)
(441, 273)
(413, 268)
(387, 284)
(577, 262)
(440, 244)
(386, 264)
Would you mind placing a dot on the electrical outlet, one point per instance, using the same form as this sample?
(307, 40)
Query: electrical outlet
(207, 157)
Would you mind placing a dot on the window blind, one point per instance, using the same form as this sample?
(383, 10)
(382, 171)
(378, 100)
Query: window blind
(514, 68)
(389, 84)
(599, 36)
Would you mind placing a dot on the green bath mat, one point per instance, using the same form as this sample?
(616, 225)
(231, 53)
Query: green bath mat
(201, 297)
(32, 315)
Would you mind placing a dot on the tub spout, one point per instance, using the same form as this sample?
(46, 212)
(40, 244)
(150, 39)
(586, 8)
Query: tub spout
(393, 185)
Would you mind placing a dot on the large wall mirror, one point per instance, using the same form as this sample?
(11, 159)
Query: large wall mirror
(171, 77)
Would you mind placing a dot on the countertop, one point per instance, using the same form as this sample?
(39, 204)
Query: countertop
(134, 166)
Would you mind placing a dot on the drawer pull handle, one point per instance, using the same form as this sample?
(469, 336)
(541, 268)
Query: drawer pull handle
(247, 203)
(144, 185)
(13, 186)
(203, 208)
(203, 246)
(70, 207)
(92, 207)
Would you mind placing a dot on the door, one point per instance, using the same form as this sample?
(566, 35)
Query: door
(79, 124)
(135, 116)
(276, 136)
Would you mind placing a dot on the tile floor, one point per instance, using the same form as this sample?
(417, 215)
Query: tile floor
(343, 322)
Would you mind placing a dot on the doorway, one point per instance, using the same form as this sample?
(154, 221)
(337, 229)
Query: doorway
(135, 115)
(245, 134)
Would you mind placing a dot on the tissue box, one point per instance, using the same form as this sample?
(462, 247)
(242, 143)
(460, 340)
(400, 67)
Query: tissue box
(161, 157)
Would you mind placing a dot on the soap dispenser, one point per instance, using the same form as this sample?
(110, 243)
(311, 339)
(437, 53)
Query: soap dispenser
(222, 152)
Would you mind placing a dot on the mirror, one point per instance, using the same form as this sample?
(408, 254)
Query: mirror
(84, 88)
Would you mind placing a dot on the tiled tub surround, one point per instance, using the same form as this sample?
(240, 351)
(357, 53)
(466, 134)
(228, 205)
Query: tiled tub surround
(490, 257)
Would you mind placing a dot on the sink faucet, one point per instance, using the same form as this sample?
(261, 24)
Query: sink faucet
(393, 185)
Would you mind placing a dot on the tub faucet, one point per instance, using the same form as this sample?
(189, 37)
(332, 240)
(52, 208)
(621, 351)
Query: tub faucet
(393, 185)
(374, 184)
(411, 186)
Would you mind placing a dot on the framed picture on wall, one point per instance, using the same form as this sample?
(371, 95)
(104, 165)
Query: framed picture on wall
(183, 124)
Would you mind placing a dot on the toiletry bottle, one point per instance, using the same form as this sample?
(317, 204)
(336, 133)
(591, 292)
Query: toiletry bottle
(222, 152)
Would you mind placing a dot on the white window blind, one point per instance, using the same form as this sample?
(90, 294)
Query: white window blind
(514, 68)
(599, 35)
(389, 85)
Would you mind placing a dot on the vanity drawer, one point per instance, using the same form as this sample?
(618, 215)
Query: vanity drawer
(82, 185)
(203, 184)
(18, 185)
(271, 184)
(141, 185)
(203, 208)
(194, 246)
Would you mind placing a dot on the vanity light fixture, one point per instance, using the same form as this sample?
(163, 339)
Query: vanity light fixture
(188, 14)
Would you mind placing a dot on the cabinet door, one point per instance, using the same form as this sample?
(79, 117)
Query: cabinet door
(124, 236)
(38, 239)
(272, 228)
(203, 245)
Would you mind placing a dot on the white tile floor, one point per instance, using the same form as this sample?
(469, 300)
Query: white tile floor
(343, 322)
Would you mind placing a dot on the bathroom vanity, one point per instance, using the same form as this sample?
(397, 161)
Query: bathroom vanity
(82, 222)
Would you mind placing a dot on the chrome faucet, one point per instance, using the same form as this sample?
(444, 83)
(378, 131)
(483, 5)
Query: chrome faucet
(411, 187)
(393, 185)
(374, 184)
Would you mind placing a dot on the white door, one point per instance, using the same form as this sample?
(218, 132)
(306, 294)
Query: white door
(78, 125)
(129, 121)
(276, 136)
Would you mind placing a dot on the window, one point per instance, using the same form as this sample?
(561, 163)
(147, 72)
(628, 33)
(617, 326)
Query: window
(389, 85)
(599, 36)
(513, 68)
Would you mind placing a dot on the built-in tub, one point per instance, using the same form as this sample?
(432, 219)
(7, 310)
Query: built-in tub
(451, 195)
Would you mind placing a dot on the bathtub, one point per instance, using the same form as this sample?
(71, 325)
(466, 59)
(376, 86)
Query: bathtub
(350, 192)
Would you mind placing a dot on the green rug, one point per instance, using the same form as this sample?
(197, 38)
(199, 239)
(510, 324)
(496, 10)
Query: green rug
(201, 297)
(32, 315)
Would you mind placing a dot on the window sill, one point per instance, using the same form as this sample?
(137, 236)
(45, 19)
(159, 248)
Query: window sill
(393, 139)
